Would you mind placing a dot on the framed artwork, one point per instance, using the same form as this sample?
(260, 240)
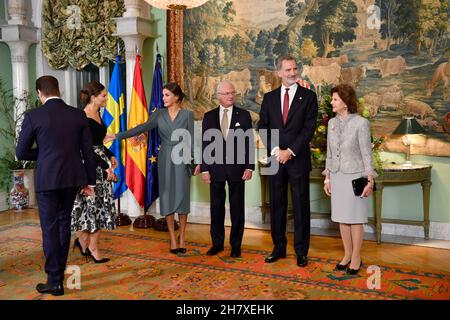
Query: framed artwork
(395, 53)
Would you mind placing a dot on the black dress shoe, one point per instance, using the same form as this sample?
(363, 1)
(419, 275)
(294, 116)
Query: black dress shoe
(182, 250)
(235, 252)
(174, 251)
(342, 266)
(55, 290)
(354, 271)
(302, 261)
(275, 256)
(214, 250)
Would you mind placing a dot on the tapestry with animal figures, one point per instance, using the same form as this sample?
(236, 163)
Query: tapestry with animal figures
(396, 53)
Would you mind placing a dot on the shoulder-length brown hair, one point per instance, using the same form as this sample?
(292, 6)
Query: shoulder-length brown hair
(348, 95)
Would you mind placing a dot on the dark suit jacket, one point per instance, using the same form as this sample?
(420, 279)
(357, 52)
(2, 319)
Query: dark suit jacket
(64, 153)
(231, 168)
(299, 128)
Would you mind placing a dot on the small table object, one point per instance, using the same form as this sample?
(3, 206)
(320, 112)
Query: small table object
(399, 174)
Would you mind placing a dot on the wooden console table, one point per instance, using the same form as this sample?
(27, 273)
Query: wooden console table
(394, 174)
(399, 174)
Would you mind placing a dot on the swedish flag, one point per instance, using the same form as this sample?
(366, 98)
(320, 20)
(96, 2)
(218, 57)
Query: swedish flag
(114, 117)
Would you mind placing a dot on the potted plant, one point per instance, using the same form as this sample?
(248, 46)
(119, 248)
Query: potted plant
(16, 177)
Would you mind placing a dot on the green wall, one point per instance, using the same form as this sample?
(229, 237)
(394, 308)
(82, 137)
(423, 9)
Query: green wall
(6, 76)
(2, 11)
(150, 45)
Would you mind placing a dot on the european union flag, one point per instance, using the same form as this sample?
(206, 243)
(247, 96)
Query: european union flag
(114, 117)
(156, 102)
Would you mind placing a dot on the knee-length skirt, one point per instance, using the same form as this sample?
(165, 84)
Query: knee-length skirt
(345, 206)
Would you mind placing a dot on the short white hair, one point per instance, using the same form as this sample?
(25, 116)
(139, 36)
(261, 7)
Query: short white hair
(221, 84)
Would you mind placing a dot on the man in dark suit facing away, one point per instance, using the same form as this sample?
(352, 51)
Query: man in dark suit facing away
(291, 111)
(65, 162)
(231, 162)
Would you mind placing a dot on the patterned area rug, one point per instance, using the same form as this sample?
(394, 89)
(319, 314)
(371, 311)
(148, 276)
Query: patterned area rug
(142, 268)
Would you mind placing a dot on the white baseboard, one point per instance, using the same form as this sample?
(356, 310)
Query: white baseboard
(200, 213)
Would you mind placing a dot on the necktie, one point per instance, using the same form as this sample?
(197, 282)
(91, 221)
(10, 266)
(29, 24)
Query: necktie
(224, 125)
(285, 106)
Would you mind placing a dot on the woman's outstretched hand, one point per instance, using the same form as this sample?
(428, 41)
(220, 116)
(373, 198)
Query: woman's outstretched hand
(109, 137)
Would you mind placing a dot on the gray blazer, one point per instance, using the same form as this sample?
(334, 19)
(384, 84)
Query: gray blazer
(349, 149)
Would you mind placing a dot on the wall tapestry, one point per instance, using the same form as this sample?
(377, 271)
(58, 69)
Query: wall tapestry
(396, 53)
(79, 32)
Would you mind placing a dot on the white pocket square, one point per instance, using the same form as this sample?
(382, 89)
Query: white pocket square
(237, 124)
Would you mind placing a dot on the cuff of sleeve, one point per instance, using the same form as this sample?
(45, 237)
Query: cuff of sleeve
(274, 151)
(292, 152)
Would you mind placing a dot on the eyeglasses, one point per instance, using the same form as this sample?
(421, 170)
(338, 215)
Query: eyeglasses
(232, 93)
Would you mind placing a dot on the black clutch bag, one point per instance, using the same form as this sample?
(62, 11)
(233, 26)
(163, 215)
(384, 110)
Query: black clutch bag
(191, 168)
(359, 185)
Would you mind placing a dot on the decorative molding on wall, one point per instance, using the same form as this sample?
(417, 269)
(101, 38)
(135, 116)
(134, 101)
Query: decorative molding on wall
(253, 219)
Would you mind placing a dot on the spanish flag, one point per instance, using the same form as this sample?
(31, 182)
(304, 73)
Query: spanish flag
(136, 159)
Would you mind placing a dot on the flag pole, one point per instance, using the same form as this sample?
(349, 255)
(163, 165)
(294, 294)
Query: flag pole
(145, 220)
(122, 219)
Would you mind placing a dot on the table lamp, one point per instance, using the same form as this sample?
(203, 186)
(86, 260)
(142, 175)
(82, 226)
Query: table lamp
(407, 127)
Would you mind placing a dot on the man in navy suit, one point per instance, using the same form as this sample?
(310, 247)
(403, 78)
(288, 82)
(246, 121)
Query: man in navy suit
(65, 162)
(231, 162)
(291, 110)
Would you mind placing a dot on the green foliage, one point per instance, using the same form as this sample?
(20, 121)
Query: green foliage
(8, 105)
(423, 23)
(228, 12)
(318, 144)
(76, 33)
(330, 23)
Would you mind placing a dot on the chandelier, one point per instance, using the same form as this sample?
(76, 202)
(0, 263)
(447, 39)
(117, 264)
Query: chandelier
(175, 4)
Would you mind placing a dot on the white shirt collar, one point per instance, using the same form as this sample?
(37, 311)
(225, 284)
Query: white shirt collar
(55, 97)
(292, 88)
(230, 108)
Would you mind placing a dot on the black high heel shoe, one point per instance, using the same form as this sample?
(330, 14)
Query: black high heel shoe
(354, 271)
(77, 244)
(102, 260)
(341, 267)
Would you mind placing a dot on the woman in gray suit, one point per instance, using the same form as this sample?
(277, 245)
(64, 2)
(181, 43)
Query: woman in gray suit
(173, 177)
(349, 157)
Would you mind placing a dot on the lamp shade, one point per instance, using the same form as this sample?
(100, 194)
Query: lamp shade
(409, 125)
(175, 4)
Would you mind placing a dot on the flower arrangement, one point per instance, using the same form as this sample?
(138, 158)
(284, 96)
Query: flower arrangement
(318, 144)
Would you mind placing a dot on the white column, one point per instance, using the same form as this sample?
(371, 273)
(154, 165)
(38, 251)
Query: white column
(17, 11)
(104, 75)
(133, 29)
(19, 35)
(19, 60)
(133, 8)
